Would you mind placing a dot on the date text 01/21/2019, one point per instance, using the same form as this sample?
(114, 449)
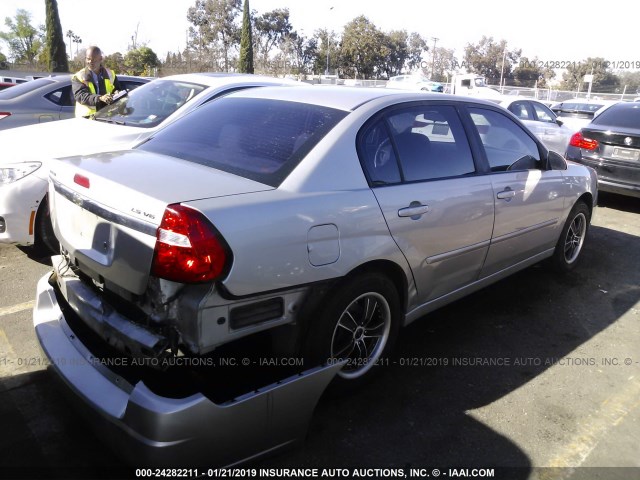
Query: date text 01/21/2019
(607, 64)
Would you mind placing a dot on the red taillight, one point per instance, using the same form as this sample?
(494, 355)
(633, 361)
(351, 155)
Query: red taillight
(81, 180)
(188, 247)
(4, 115)
(580, 141)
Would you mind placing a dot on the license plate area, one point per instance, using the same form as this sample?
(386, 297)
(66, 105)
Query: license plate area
(630, 154)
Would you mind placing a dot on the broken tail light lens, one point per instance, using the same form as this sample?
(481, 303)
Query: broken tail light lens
(188, 247)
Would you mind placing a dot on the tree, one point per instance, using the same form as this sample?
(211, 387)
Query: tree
(141, 61)
(394, 53)
(3, 61)
(115, 62)
(55, 40)
(327, 48)
(530, 73)
(490, 59)
(305, 51)
(245, 64)
(628, 79)
(272, 28)
(416, 45)
(214, 27)
(24, 40)
(445, 64)
(362, 44)
(603, 78)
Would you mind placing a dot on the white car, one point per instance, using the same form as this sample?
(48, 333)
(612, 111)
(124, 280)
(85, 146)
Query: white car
(414, 82)
(577, 113)
(24, 213)
(541, 121)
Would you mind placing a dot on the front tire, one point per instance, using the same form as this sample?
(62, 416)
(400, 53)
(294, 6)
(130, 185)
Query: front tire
(358, 325)
(570, 244)
(45, 240)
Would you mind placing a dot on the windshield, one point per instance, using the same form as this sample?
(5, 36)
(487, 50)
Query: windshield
(149, 105)
(262, 140)
(23, 88)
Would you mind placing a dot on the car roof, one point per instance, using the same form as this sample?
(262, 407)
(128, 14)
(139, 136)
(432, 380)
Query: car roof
(212, 79)
(346, 98)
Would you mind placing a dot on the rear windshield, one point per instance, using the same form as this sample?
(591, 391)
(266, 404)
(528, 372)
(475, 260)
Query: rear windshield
(622, 115)
(150, 104)
(577, 107)
(23, 88)
(259, 139)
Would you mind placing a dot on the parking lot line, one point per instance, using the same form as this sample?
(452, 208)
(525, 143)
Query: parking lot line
(16, 308)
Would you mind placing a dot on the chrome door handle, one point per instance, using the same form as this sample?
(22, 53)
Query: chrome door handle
(415, 210)
(507, 194)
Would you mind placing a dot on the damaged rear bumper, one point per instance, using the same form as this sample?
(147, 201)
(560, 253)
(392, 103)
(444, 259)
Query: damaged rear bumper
(148, 429)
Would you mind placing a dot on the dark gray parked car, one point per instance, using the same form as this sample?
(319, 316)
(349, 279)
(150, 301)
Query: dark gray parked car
(45, 100)
(610, 144)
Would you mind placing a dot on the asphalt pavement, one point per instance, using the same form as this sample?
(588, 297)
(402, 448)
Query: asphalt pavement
(537, 376)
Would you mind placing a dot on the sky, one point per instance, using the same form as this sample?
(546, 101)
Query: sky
(551, 30)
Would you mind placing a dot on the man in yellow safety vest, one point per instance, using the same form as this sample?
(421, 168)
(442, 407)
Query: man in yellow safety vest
(94, 85)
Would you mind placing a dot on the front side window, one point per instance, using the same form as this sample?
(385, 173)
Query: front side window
(507, 146)
(543, 113)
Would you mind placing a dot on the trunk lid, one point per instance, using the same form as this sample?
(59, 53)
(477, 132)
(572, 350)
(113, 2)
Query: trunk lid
(106, 208)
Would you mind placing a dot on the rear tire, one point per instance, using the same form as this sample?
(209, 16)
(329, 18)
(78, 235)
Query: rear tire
(358, 325)
(569, 247)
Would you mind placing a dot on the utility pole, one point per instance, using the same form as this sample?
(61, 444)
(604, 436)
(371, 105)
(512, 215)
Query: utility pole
(326, 72)
(504, 53)
(433, 57)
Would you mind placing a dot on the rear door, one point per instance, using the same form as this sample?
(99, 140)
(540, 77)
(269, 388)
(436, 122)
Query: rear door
(439, 211)
(529, 199)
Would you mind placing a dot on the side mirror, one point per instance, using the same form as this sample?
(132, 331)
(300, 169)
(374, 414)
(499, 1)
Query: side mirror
(559, 122)
(556, 161)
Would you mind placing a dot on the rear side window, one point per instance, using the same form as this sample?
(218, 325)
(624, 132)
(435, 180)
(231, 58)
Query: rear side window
(259, 139)
(505, 143)
(62, 96)
(416, 144)
(622, 115)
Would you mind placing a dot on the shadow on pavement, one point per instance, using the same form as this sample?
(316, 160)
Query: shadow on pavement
(416, 412)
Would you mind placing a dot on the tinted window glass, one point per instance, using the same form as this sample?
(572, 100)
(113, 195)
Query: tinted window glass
(622, 115)
(543, 113)
(150, 104)
(378, 156)
(62, 97)
(262, 140)
(520, 110)
(430, 143)
(23, 88)
(505, 143)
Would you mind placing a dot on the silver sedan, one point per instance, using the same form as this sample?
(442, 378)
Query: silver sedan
(331, 217)
(541, 121)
